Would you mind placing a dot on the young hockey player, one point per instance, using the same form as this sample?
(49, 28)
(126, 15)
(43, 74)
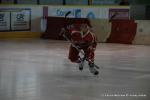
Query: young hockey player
(85, 40)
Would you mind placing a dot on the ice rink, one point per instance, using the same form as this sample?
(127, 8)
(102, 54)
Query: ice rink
(40, 70)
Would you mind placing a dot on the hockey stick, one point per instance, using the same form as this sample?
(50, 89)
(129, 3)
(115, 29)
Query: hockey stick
(66, 15)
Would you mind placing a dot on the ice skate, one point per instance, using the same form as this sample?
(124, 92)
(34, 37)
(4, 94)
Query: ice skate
(92, 69)
(81, 64)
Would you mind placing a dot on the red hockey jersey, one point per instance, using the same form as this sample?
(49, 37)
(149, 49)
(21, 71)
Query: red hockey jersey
(84, 39)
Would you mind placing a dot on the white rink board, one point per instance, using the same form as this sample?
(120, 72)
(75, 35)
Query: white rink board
(82, 12)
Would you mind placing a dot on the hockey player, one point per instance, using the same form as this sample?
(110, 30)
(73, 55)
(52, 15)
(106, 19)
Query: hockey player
(84, 39)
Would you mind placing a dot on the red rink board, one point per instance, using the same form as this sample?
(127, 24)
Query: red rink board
(122, 31)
